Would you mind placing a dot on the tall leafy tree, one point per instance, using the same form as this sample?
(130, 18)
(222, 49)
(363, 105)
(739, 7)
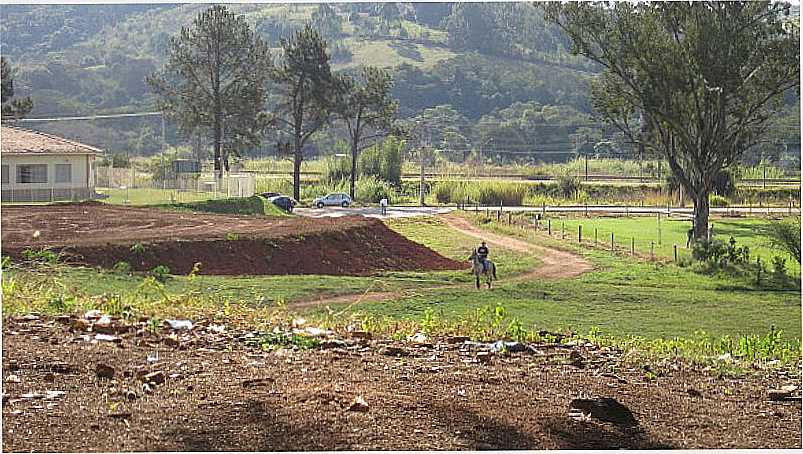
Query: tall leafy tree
(704, 77)
(15, 108)
(214, 82)
(367, 108)
(307, 92)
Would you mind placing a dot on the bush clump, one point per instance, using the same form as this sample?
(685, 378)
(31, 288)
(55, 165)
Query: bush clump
(372, 190)
(383, 161)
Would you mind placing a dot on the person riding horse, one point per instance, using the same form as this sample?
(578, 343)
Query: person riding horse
(482, 253)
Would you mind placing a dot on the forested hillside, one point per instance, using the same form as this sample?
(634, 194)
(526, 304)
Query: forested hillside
(475, 71)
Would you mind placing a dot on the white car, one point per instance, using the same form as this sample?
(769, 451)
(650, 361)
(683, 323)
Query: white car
(332, 200)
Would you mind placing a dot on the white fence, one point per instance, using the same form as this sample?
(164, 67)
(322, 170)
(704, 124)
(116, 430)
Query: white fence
(15, 195)
(231, 185)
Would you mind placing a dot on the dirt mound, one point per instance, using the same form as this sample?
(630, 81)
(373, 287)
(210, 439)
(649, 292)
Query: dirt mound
(225, 245)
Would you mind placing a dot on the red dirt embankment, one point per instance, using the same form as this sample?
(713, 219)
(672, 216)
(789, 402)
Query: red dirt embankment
(102, 235)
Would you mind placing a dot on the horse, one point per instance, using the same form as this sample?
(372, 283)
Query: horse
(490, 273)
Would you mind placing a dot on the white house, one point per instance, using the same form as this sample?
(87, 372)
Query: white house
(39, 167)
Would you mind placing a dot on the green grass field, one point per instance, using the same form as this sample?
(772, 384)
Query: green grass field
(644, 230)
(622, 297)
(146, 196)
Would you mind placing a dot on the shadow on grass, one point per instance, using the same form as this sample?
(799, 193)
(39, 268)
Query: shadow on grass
(407, 50)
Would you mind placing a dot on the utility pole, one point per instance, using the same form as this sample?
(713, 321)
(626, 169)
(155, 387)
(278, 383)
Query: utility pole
(586, 156)
(421, 185)
(164, 151)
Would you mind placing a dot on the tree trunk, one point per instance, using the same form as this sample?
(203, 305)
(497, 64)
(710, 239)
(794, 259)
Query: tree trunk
(353, 168)
(701, 215)
(297, 157)
(218, 146)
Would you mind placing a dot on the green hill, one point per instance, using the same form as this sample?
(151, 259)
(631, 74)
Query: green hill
(487, 68)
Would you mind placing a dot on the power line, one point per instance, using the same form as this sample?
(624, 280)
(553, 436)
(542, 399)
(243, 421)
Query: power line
(93, 117)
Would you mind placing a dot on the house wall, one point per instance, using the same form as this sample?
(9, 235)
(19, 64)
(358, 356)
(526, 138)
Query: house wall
(81, 184)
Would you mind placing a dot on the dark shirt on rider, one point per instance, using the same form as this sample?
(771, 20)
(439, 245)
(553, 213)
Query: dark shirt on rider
(482, 251)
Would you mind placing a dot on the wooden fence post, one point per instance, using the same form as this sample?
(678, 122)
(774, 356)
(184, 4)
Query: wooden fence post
(562, 230)
(632, 245)
(659, 229)
(758, 276)
(612, 248)
(498, 215)
(509, 218)
(579, 233)
(543, 209)
(652, 255)
(595, 236)
(676, 253)
(549, 226)
(586, 208)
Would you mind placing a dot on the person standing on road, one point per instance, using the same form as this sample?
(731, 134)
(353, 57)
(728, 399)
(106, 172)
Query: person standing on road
(383, 206)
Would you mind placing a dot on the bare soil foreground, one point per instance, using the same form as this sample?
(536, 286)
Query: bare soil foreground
(66, 390)
(101, 235)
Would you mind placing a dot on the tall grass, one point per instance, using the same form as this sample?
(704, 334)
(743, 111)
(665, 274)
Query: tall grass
(483, 193)
(757, 172)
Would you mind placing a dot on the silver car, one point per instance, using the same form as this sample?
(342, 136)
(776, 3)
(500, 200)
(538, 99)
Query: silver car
(333, 199)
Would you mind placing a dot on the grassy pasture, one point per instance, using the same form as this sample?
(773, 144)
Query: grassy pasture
(643, 230)
(622, 297)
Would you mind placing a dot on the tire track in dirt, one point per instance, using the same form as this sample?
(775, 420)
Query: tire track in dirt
(555, 264)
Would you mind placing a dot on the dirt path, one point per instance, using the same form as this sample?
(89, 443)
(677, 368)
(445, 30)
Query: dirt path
(555, 264)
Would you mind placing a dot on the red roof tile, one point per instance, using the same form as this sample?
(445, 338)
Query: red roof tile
(15, 140)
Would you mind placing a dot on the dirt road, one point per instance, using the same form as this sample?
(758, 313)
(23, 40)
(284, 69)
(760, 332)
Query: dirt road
(555, 264)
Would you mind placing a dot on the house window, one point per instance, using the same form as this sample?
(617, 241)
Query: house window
(5, 174)
(63, 173)
(32, 173)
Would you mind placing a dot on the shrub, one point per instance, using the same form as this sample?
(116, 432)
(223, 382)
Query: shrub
(568, 184)
(778, 266)
(717, 201)
(42, 255)
(372, 190)
(785, 236)
(161, 273)
(383, 161)
(122, 268)
(709, 251)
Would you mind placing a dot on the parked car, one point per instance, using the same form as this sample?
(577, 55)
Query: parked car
(268, 195)
(333, 199)
(284, 202)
